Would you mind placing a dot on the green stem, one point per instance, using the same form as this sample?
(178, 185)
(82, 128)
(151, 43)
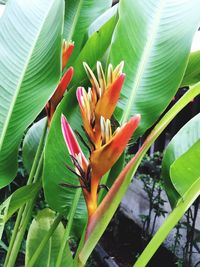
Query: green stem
(68, 227)
(13, 237)
(30, 179)
(81, 243)
(21, 230)
(44, 241)
(37, 155)
(10, 260)
(105, 211)
(19, 237)
(169, 224)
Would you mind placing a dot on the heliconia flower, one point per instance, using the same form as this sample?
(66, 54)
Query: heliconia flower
(105, 147)
(58, 94)
(101, 99)
(67, 50)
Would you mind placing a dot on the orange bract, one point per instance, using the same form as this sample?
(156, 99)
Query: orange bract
(58, 94)
(52, 104)
(67, 50)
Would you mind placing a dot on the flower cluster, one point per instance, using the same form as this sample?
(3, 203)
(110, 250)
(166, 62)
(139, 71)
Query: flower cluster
(105, 146)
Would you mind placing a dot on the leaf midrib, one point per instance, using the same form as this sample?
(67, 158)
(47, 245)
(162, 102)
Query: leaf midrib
(15, 96)
(143, 62)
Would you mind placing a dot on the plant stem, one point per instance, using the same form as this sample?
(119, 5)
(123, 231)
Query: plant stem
(68, 227)
(21, 230)
(44, 241)
(169, 224)
(30, 179)
(151, 201)
(105, 211)
(19, 237)
(196, 208)
(13, 237)
(37, 155)
(11, 258)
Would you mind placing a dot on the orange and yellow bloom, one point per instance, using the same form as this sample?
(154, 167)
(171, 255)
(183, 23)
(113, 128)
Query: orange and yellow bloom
(105, 146)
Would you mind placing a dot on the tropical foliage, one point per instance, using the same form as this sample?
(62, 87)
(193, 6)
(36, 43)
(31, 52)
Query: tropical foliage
(102, 74)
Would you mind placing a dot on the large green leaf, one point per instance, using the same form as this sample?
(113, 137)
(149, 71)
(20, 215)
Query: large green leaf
(185, 171)
(180, 144)
(31, 142)
(56, 153)
(79, 14)
(192, 73)
(154, 40)
(15, 201)
(38, 229)
(30, 48)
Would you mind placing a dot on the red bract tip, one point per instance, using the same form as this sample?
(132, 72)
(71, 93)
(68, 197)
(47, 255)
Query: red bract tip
(70, 140)
(58, 94)
(69, 137)
(62, 87)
